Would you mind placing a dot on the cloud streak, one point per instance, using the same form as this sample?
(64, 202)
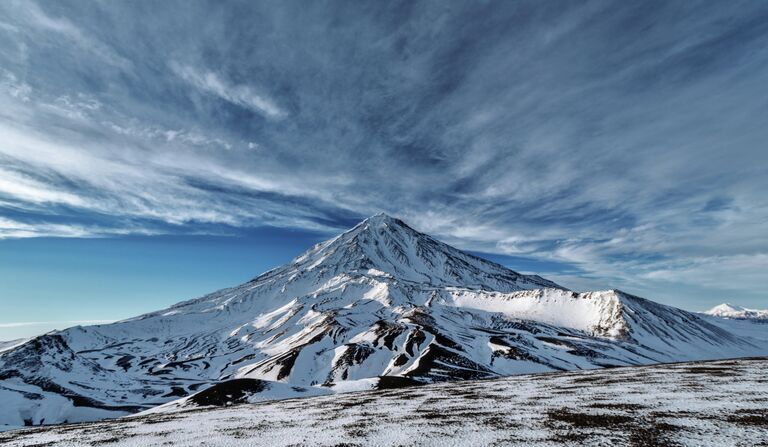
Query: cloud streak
(241, 95)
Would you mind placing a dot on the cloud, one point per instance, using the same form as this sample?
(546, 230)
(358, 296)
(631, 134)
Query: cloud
(241, 95)
(715, 271)
(49, 323)
(12, 229)
(15, 88)
(29, 190)
(624, 143)
(31, 14)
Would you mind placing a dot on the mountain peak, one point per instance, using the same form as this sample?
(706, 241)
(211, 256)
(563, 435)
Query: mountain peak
(381, 217)
(724, 307)
(380, 221)
(385, 245)
(728, 310)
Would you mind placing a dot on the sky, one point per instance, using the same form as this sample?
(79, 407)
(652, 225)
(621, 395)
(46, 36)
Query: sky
(154, 151)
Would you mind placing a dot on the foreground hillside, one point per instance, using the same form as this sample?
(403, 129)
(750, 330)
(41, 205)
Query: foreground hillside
(698, 404)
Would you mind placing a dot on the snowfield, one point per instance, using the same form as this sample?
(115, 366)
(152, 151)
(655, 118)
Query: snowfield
(716, 403)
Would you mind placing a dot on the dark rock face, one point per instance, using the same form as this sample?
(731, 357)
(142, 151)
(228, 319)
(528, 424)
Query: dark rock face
(394, 382)
(231, 392)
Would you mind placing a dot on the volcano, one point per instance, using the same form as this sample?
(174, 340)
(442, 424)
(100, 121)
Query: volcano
(381, 305)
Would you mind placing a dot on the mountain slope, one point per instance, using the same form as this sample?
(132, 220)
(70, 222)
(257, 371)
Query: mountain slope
(379, 300)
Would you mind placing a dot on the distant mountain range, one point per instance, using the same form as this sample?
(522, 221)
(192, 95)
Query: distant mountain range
(378, 306)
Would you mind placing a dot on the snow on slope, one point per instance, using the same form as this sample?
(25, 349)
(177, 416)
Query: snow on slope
(380, 300)
(720, 403)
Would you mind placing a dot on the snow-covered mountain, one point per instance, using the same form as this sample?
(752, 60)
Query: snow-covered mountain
(727, 310)
(378, 306)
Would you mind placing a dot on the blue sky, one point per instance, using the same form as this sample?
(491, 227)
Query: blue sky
(602, 144)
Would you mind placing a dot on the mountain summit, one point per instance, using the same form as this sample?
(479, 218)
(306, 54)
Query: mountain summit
(383, 245)
(380, 305)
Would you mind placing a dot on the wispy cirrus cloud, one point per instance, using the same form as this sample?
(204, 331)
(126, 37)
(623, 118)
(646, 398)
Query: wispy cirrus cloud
(242, 95)
(32, 16)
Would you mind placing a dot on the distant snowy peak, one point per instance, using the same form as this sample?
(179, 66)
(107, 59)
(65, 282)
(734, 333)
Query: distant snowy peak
(724, 309)
(727, 310)
(385, 246)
